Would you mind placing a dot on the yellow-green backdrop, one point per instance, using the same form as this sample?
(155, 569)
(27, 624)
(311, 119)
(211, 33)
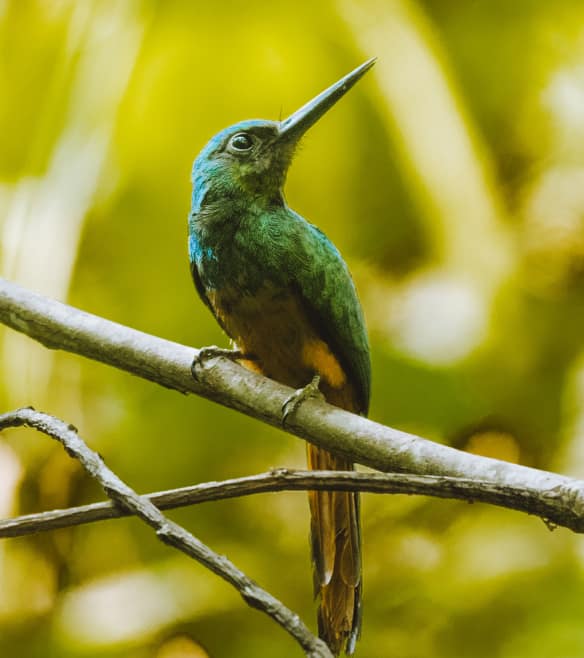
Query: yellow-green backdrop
(452, 180)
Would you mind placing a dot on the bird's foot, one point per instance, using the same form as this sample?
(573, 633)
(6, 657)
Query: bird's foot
(211, 352)
(292, 403)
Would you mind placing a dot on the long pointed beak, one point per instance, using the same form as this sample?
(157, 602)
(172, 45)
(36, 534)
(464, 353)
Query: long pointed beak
(298, 123)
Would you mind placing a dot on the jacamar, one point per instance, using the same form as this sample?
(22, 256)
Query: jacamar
(282, 292)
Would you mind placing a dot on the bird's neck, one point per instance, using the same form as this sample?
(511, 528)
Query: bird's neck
(220, 210)
(226, 236)
(221, 204)
(219, 192)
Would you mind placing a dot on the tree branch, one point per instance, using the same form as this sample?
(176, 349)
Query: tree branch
(555, 509)
(59, 326)
(167, 531)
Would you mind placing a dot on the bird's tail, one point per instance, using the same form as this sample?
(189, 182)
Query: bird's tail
(335, 537)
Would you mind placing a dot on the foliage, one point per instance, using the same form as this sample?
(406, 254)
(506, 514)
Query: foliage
(451, 179)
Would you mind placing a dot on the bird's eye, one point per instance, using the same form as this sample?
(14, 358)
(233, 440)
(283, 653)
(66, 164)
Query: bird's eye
(241, 142)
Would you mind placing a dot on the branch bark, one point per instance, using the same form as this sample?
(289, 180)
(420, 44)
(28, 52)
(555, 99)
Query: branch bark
(554, 509)
(59, 326)
(167, 531)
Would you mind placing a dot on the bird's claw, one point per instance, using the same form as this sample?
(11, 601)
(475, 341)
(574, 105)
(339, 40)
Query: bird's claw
(211, 352)
(299, 396)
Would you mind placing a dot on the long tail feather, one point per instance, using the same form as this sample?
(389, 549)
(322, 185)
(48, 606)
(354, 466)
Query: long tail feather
(336, 553)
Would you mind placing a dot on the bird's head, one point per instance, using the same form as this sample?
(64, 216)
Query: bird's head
(251, 158)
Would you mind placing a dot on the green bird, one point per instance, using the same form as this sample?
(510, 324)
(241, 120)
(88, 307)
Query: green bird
(281, 291)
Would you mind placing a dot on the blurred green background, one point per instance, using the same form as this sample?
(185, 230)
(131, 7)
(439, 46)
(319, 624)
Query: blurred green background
(452, 180)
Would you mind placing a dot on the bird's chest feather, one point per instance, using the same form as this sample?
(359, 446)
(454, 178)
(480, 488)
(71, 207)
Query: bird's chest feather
(248, 280)
(242, 254)
(221, 265)
(272, 326)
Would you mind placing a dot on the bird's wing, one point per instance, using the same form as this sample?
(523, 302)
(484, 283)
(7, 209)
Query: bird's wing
(331, 302)
(199, 286)
(203, 295)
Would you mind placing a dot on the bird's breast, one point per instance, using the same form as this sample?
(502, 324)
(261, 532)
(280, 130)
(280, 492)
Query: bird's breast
(229, 261)
(273, 327)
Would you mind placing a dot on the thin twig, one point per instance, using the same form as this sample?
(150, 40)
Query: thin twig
(59, 326)
(553, 508)
(167, 531)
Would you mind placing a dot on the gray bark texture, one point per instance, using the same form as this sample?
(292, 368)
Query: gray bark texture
(556, 498)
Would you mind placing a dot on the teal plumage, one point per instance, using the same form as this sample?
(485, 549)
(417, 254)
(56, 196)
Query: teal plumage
(281, 290)
(278, 246)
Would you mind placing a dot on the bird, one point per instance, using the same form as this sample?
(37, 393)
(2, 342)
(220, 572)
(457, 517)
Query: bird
(283, 294)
